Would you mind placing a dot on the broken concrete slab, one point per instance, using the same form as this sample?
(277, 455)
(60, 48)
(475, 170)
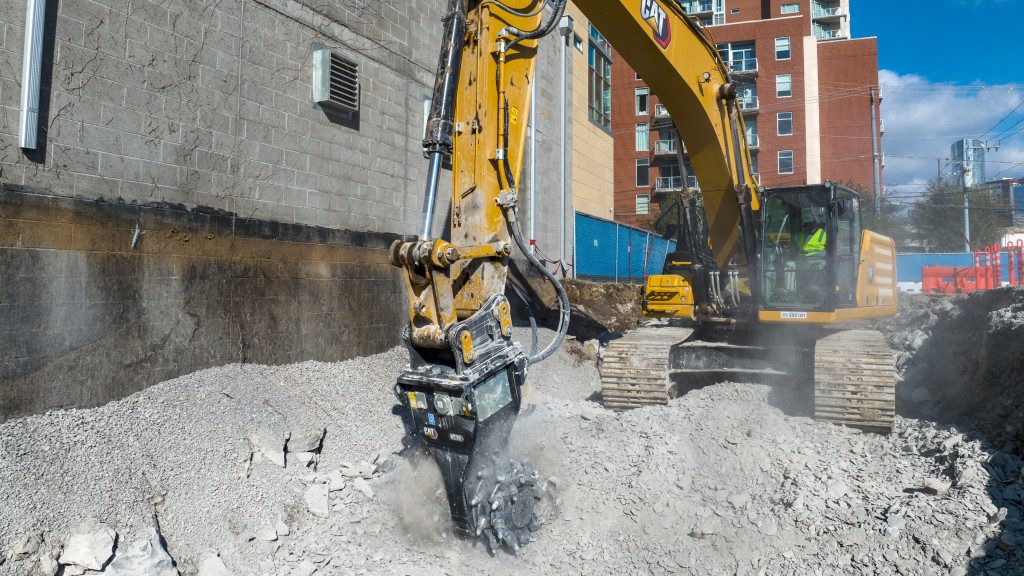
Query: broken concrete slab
(91, 550)
(318, 500)
(306, 440)
(142, 557)
(271, 445)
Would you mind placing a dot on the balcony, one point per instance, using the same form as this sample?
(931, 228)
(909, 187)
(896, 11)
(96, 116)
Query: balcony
(660, 115)
(747, 104)
(697, 7)
(827, 13)
(828, 33)
(743, 66)
(665, 148)
(752, 142)
(668, 184)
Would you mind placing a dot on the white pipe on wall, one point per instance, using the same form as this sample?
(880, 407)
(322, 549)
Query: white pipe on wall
(533, 165)
(31, 72)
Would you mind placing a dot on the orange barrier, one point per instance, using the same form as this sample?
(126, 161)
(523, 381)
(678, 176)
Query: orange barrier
(949, 279)
(987, 272)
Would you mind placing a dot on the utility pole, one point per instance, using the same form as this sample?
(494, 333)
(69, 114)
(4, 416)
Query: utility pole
(967, 160)
(967, 218)
(874, 154)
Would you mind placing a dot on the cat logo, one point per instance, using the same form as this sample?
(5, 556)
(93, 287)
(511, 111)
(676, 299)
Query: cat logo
(655, 16)
(657, 296)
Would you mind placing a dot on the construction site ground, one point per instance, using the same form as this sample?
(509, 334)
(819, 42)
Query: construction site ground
(733, 478)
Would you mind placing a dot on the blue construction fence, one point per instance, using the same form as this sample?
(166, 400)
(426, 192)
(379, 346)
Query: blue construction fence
(608, 251)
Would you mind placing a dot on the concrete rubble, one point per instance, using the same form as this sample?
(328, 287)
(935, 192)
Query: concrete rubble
(302, 470)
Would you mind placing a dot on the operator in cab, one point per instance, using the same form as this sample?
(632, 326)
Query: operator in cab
(807, 250)
(810, 241)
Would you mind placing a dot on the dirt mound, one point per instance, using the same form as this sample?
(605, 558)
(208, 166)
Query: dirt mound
(963, 358)
(600, 307)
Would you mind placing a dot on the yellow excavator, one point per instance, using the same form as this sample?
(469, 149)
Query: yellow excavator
(732, 269)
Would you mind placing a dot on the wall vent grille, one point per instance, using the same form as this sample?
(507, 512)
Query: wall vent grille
(335, 81)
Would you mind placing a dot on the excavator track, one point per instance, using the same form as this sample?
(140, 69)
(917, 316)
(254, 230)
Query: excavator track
(635, 369)
(854, 380)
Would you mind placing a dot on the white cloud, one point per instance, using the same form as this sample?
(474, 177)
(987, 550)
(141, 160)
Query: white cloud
(922, 119)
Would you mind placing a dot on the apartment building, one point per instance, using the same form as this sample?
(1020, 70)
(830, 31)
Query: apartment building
(806, 90)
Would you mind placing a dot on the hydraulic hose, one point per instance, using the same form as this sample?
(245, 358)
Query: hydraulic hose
(563, 298)
(522, 13)
(543, 30)
(510, 211)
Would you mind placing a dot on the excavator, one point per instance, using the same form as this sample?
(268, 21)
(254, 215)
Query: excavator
(732, 271)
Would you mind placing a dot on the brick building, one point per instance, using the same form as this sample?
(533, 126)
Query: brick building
(805, 88)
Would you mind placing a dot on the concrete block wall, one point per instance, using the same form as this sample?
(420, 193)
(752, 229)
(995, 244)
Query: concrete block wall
(187, 108)
(209, 104)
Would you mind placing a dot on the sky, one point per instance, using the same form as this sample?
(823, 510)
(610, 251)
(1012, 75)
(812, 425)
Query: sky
(949, 69)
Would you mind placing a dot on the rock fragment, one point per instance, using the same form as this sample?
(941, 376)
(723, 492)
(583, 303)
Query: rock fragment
(364, 487)
(307, 440)
(361, 470)
(142, 557)
(305, 568)
(271, 445)
(91, 551)
(267, 533)
(214, 566)
(282, 528)
(24, 546)
(45, 565)
(318, 500)
(836, 490)
(936, 486)
(335, 480)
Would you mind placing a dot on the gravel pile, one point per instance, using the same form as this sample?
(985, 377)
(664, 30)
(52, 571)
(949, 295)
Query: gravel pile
(721, 481)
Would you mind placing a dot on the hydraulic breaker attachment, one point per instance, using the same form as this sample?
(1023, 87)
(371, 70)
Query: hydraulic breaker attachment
(463, 403)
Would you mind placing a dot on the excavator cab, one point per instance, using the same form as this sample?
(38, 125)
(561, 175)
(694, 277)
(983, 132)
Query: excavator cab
(798, 247)
(817, 262)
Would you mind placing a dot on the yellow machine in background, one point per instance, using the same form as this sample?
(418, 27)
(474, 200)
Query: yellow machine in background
(746, 300)
(462, 386)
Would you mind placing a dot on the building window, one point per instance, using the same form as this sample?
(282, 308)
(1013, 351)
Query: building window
(791, 8)
(636, 76)
(785, 161)
(643, 172)
(643, 203)
(642, 101)
(784, 85)
(785, 123)
(642, 138)
(739, 56)
(600, 62)
(782, 48)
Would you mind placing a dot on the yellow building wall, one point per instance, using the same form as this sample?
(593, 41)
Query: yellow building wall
(592, 148)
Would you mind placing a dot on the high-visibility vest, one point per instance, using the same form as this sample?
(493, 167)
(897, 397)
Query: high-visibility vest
(812, 244)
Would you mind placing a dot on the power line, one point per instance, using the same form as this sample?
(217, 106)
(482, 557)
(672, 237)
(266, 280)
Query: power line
(1001, 120)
